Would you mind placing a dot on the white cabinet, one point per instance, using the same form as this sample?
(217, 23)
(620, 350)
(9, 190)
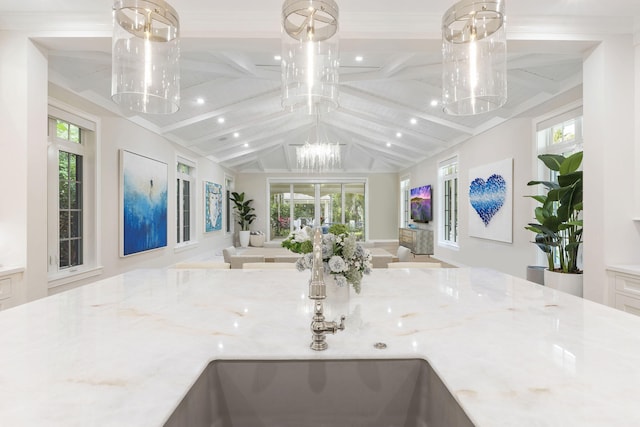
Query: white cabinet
(11, 292)
(624, 288)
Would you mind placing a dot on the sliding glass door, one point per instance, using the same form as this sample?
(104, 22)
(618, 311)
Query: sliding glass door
(280, 210)
(304, 206)
(354, 208)
(295, 205)
(331, 204)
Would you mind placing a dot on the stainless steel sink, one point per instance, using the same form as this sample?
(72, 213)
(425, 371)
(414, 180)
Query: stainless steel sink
(318, 393)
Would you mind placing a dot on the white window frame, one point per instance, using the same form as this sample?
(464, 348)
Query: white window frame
(191, 178)
(317, 183)
(455, 208)
(543, 145)
(229, 220)
(89, 149)
(405, 188)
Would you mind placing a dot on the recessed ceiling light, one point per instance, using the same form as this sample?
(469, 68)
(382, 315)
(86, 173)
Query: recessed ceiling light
(246, 145)
(236, 134)
(399, 135)
(414, 121)
(200, 101)
(359, 58)
(220, 119)
(388, 144)
(434, 103)
(278, 58)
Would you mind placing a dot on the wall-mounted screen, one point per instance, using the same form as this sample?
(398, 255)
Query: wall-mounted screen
(421, 204)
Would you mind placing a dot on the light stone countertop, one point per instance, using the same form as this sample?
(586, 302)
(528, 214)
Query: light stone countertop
(8, 271)
(125, 350)
(627, 269)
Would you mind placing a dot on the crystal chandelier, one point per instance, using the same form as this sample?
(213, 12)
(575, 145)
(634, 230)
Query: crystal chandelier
(474, 57)
(310, 55)
(145, 74)
(318, 156)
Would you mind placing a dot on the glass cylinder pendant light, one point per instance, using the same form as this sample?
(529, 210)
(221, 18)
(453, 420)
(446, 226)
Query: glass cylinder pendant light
(145, 73)
(474, 57)
(310, 55)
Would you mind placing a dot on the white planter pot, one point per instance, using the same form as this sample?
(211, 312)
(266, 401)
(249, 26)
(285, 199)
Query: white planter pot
(569, 283)
(245, 236)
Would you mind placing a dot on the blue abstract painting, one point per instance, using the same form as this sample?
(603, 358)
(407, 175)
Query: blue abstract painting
(144, 203)
(490, 200)
(212, 206)
(487, 197)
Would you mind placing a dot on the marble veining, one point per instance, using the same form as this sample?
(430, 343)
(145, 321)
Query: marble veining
(123, 351)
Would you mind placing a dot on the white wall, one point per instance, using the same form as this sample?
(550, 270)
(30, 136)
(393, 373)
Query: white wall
(23, 105)
(510, 140)
(384, 211)
(118, 134)
(610, 116)
(383, 190)
(611, 161)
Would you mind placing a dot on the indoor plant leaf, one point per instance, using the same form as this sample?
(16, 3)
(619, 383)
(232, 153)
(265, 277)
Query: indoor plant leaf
(559, 232)
(552, 161)
(571, 163)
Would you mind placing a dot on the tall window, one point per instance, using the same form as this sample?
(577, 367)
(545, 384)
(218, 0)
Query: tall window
(184, 200)
(561, 133)
(404, 203)
(448, 196)
(315, 204)
(228, 188)
(70, 211)
(72, 193)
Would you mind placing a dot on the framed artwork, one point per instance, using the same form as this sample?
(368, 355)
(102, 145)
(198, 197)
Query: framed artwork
(212, 206)
(143, 203)
(491, 201)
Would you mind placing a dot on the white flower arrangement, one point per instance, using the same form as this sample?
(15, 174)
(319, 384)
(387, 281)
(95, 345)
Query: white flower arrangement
(343, 257)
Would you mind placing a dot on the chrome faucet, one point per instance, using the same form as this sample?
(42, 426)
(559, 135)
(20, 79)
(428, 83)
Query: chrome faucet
(318, 292)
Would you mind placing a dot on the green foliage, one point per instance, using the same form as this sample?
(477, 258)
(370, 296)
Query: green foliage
(67, 131)
(338, 229)
(342, 256)
(354, 211)
(279, 212)
(243, 210)
(559, 223)
(298, 247)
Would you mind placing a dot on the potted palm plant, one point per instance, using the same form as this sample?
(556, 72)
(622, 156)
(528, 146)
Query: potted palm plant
(559, 222)
(244, 215)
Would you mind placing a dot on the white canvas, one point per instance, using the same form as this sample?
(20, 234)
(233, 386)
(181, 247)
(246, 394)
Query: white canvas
(490, 193)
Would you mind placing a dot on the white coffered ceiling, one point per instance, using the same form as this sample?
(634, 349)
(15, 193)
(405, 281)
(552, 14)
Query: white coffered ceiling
(227, 59)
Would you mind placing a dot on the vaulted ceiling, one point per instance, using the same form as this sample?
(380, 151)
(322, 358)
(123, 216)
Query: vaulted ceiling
(389, 116)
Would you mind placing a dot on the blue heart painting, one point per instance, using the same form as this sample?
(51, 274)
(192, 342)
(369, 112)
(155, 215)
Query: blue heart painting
(487, 197)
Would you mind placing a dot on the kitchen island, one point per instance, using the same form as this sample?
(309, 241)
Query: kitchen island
(125, 350)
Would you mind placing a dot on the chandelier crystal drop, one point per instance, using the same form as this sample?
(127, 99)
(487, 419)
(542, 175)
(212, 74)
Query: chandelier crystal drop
(145, 75)
(318, 157)
(310, 55)
(474, 57)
